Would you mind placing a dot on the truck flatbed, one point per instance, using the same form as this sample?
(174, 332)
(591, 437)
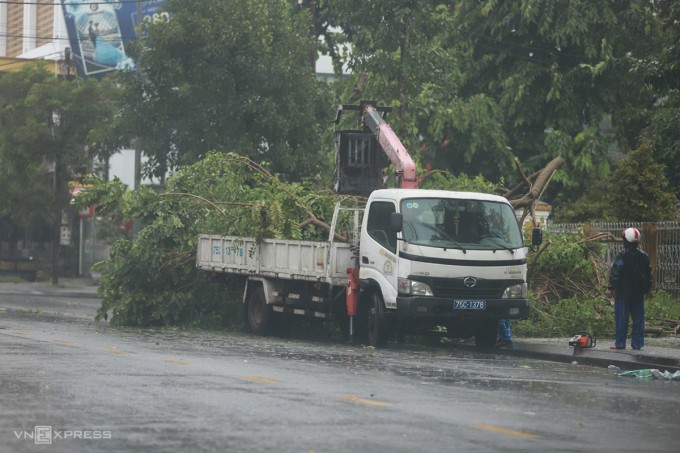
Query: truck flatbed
(276, 258)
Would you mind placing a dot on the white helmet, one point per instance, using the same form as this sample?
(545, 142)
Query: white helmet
(631, 235)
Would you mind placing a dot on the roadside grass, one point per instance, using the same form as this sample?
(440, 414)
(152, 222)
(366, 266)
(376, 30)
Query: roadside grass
(30, 311)
(568, 317)
(8, 278)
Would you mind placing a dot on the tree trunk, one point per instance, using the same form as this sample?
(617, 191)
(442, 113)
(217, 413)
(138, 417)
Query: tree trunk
(534, 187)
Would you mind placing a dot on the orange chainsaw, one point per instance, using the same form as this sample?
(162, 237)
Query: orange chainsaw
(583, 340)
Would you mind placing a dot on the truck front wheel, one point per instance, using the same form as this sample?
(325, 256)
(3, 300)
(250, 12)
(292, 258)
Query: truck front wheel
(258, 313)
(378, 327)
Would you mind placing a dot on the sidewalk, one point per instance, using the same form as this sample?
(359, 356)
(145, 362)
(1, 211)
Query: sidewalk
(660, 353)
(66, 286)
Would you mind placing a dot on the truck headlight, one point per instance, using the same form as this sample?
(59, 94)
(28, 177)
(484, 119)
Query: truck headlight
(412, 288)
(518, 291)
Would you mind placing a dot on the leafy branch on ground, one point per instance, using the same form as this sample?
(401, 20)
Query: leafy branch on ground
(151, 279)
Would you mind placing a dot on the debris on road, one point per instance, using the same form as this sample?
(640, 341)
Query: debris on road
(652, 373)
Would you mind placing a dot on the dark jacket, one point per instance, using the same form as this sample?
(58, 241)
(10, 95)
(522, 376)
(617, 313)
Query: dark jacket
(621, 276)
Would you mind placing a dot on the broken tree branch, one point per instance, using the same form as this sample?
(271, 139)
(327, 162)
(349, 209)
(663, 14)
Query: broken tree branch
(534, 189)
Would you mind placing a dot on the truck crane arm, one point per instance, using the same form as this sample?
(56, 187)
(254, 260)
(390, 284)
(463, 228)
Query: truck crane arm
(390, 143)
(371, 119)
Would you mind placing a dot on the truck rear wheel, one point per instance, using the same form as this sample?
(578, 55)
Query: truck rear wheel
(378, 327)
(258, 313)
(486, 333)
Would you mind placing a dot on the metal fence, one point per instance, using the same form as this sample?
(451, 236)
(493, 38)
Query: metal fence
(660, 240)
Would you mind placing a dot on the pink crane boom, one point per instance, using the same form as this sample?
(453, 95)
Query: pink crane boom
(390, 143)
(360, 154)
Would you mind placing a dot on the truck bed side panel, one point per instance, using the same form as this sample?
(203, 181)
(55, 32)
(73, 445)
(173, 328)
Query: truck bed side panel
(287, 259)
(226, 254)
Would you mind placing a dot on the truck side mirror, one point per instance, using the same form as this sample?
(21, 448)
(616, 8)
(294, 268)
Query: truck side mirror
(396, 222)
(536, 237)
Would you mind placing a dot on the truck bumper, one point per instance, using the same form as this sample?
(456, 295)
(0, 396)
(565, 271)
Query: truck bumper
(437, 309)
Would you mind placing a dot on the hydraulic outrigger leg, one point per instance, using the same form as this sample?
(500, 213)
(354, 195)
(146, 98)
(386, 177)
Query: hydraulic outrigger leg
(352, 298)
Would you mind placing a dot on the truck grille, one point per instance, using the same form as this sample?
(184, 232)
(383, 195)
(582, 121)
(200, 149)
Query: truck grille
(455, 288)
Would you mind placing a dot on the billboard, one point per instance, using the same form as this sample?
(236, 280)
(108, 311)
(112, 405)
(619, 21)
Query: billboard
(98, 32)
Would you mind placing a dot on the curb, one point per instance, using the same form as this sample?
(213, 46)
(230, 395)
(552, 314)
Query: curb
(625, 360)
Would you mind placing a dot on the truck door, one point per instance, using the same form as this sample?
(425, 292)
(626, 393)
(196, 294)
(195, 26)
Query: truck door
(379, 250)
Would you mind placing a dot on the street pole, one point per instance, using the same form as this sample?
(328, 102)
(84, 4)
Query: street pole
(81, 248)
(56, 238)
(94, 241)
(136, 223)
(138, 152)
(54, 120)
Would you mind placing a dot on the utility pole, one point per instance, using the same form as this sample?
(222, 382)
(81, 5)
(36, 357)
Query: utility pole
(55, 121)
(138, 152)
(313, 32)
(313, 53)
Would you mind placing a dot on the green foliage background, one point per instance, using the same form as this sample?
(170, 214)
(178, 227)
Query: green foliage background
(43, 120)
(230, 75)
(477, 83)
(567, 281)
(637, 191)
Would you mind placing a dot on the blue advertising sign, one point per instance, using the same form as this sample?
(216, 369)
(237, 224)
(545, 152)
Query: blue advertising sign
(152, 11)
(98, 32)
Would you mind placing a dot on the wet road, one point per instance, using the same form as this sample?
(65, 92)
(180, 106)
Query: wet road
(86, 386)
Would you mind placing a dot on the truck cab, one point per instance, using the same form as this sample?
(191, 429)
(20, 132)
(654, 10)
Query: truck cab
(440, 258)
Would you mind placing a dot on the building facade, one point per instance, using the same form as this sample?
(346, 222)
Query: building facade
(32, 29)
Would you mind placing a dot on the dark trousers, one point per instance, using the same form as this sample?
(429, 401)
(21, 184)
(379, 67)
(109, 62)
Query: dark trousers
(630, 308)
(504, 330)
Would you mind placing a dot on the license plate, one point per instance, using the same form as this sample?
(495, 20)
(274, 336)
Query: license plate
(469, 305)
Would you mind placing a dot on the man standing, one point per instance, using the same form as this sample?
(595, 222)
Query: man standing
(629, 280)
(93, 35)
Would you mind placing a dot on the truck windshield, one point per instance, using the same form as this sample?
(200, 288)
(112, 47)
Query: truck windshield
(460, 223)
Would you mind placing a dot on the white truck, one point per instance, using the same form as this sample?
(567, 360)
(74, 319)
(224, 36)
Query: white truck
(425, 258)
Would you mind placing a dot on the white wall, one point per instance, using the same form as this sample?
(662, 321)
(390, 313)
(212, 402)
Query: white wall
(122, 165)
(3, 29)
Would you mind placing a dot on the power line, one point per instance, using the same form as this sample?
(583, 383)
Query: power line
(36, 37)
(21, 60)
(12, 63)
(52, 38)
(102, 2)
(528, 47)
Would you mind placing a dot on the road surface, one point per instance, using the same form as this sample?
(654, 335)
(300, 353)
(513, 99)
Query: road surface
(70, 384)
